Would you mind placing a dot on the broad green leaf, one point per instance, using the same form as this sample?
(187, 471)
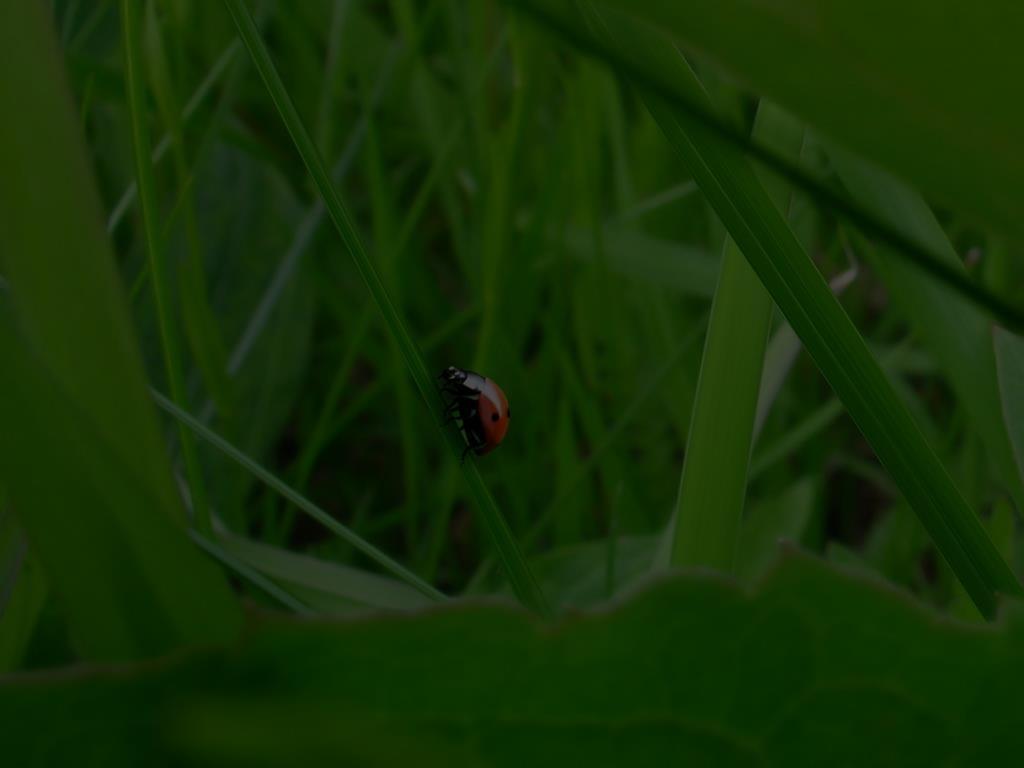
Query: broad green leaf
(82, 455)
(828, 334)
(923, 88)
(814, 666)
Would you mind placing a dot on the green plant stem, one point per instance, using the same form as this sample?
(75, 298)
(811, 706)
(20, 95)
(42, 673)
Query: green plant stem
(525, 585)
(131, 35)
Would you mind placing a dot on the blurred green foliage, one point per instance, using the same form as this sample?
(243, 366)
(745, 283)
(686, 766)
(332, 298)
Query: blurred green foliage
(529, 220)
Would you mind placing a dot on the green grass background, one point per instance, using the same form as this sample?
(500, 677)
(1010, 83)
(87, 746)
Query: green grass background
(238, 240)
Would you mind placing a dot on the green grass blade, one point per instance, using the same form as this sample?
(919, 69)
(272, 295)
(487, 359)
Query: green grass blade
(524, 584)
(325, 585)
(300, 501)
(131, 37)
(654, 203)
(367, 394)
(781, 354)
(81, 455)
(23, 591)
(956, 334)
(309, 225)
(828, 334)
(1009, 350)
(686, 269)
(794, 437)
(713, 484)
(202, 334)
(217, 71)
(250, 574)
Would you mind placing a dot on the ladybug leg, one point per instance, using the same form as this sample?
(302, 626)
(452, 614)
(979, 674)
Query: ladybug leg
(452, 409)
(472, 446)
(450, 400)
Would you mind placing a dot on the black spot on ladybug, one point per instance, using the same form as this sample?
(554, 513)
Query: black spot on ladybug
(494, 417)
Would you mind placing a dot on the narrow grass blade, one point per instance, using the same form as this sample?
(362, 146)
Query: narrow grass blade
(131, 37)
(220, 66)
(1009, 350)
(307, 228)
(202, 333)
(372, 390)
(250, 574)
(656, 202)
(300, 501)
(713, 484)
(685, 269)
(826, 331)
(319, 433)
(818, 419)
(781, 354)
(81, 454)
(781, 517)
(524, 584)
(956, 334)
(23, 591)
(325, 585)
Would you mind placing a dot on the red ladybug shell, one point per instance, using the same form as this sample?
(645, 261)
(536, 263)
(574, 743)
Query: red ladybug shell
(493, 409)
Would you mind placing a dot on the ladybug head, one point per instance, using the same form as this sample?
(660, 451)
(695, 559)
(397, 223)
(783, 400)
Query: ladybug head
(453, 374)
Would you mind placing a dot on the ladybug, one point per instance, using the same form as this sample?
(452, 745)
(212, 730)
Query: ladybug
(479, 406)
